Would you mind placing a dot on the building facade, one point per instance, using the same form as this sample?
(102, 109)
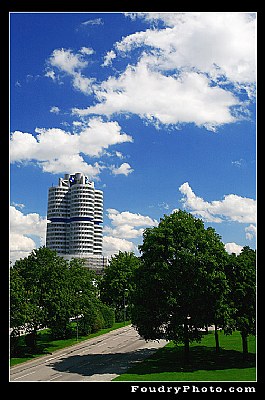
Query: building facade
(75, 214)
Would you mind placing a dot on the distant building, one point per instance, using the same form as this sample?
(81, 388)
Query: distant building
(75, 214)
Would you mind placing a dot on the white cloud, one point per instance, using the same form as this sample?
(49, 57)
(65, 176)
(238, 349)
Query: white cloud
(124, 225)
(18, 205)
(74, 162)
(99, 135)
(126, 217)
(108, 58)
(57, 151)
(231, 208)
(219, 43)
(20, 246)
(55, 110)
(251, 231)
(167, 99)
(233, 248)
(96, 21)
(119, 154)
(72, 64)
(127, 225)
(22, 227)
(123, 169)
(112, 245)
(82, 83)
(31, 223)
(87, 50)
(181, 74)
(66, 61)
(239, 163)
(183, 71)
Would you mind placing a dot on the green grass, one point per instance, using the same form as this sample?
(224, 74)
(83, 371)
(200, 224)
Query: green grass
(45, 344)
(168, 363)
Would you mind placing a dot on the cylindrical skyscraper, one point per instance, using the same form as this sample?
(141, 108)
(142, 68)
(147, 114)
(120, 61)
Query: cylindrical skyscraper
(75, 212)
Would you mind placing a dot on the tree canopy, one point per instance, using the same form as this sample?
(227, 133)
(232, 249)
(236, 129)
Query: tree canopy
(48, 291)
(181, 285)
(117, 283)
(241, 274)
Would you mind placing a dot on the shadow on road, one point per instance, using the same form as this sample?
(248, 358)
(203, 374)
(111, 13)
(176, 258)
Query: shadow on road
(90, 364)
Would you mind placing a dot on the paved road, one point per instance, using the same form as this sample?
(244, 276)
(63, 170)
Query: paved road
(98, 359)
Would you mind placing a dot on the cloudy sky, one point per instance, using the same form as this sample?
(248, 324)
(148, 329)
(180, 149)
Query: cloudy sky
(158, 109)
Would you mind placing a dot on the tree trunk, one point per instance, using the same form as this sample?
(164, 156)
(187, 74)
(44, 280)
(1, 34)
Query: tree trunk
(216, 336)
(186, 342)
(244, 345)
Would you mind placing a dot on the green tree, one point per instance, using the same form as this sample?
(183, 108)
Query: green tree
(48, 291)
(58, 299)
(35, 272)
(241, 272)
(18, 309)
(117, 284)
(85, 302)
(174, 295)
(18, 304)
(216, 308)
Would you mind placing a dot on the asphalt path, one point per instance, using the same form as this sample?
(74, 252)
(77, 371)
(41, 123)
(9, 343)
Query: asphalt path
(99, 359)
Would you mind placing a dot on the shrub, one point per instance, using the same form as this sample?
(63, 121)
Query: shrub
(108, 314)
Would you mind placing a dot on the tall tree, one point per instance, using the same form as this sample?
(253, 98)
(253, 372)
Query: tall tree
(18, 303)
(241, 272)
(217, 310)
(47, 291)
(85, 302)
(173, 284)
(58, 299)
(116, 284)
(35, 270)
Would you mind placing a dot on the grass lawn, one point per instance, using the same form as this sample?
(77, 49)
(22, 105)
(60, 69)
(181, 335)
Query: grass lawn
(45, 345)
(168, 363)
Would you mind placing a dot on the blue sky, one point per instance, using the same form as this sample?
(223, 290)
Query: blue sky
(158, 109)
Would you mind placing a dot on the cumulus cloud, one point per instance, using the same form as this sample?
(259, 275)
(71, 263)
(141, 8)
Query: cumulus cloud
(99, 135)
(70, 63)
(127, 225)
(251, 231)
(189, 71)
(25, 231)
(233, 248)
(221, 44)
(66, 61)
(86, 50)
(232, 207)
(108, 58)
(55, 110)
(167, 99)
(92, 140)
(123, 169)
(112, 245)
(119, 219)
(124, 225)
